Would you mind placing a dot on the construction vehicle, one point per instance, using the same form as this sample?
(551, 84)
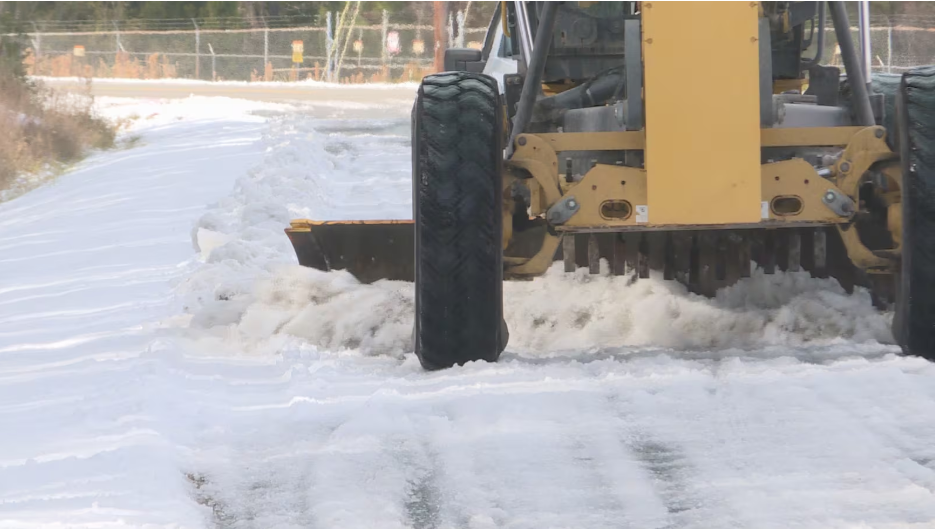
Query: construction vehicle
(690, 138)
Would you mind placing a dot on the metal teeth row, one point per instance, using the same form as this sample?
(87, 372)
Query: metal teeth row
(702, 260)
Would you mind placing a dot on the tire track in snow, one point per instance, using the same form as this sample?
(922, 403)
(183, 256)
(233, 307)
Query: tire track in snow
(423, 501)
(261, 495)
(673, 478)
(375, 471)
(546, 458)
(894, 416)
(371, 470)
(669, 470)
(776, 453)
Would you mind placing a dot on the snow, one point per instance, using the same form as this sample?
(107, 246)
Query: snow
(165, 362)
(303, 83)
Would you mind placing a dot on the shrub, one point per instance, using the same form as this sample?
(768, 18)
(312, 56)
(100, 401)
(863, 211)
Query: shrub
(38, 126)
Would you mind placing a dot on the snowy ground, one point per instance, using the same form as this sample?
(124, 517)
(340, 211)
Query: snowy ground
(163, 362)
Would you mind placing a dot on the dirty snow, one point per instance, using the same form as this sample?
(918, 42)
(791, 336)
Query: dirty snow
(164, 362)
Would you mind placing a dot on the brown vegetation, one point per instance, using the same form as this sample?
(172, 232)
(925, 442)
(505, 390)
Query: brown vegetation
(39, 127)
(155, 66)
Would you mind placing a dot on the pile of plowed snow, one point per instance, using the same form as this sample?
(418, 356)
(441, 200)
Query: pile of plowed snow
(250, 290)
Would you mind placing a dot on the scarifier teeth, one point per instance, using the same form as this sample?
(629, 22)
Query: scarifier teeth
(619, 258)
(643, 258)
(594, 255)
(703, 260)
(568, 252)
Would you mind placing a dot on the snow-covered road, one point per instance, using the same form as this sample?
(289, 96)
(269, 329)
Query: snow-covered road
(147, 381)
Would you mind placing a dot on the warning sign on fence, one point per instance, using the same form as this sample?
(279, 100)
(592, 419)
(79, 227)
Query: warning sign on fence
(392, 42)
(297, 50)
(79, 50)
(418, 46)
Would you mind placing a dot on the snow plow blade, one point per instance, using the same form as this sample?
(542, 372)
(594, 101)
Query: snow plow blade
(369, 250)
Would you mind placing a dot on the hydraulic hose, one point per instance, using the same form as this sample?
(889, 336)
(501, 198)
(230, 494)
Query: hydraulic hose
(852, 67)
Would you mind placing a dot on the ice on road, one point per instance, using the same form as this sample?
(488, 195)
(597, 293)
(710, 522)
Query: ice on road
(165, 362)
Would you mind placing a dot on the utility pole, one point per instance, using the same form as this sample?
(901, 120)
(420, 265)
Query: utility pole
(441, 34)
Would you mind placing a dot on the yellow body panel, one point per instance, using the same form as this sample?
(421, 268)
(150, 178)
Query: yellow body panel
(702, 146)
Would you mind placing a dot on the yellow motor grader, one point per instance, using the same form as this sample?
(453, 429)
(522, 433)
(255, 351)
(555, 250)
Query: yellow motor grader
(691, 138)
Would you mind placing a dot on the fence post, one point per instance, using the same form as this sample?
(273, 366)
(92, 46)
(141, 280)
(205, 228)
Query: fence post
(197, 51)
(265, 47)
(37, 42)
(451, 30)
(889, 49)
(460, 20)
(386, 23)
(117, 34)
(329, 46)
(214, 72)
(440, 14)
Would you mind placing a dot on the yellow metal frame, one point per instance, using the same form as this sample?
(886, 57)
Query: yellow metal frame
(537, 156)
(636, 140)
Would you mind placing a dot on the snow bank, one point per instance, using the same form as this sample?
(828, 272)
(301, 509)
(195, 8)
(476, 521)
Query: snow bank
(304, 84)
(315, 167)
(140, 113)
(558, 311)
(250, 288)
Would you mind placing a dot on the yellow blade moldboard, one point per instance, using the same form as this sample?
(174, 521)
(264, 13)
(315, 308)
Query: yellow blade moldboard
(369, 250)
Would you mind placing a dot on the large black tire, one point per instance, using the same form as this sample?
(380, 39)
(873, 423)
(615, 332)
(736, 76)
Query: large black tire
(457, 156)
(914, 322)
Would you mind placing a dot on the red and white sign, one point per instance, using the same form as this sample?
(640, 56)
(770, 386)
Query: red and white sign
(392, 43)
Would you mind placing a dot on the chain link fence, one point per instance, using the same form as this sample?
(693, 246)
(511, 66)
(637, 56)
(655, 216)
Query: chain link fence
(336, 48)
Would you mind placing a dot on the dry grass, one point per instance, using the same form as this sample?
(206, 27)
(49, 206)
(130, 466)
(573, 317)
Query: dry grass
(154, 66)
(40, 128)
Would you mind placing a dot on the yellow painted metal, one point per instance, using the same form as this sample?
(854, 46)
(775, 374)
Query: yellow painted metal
(636, 140)
(608, 141)
(788, 178)
(539, 263)
(508, 205)
(894, 222)
(859, 254)
(305, 225)
(782, 85)
(537, 157)
(702, 152)
(808, 136)
(608, 183)
(503, 20)
(551, 89)
(797, 178)
(866, 148)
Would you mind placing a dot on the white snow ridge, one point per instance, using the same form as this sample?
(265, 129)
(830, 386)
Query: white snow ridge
(164, 364)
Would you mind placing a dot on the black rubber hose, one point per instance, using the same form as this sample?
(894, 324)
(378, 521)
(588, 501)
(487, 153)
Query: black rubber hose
(592, 93)
(534, 70)
(855, 75)
(597, 91)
